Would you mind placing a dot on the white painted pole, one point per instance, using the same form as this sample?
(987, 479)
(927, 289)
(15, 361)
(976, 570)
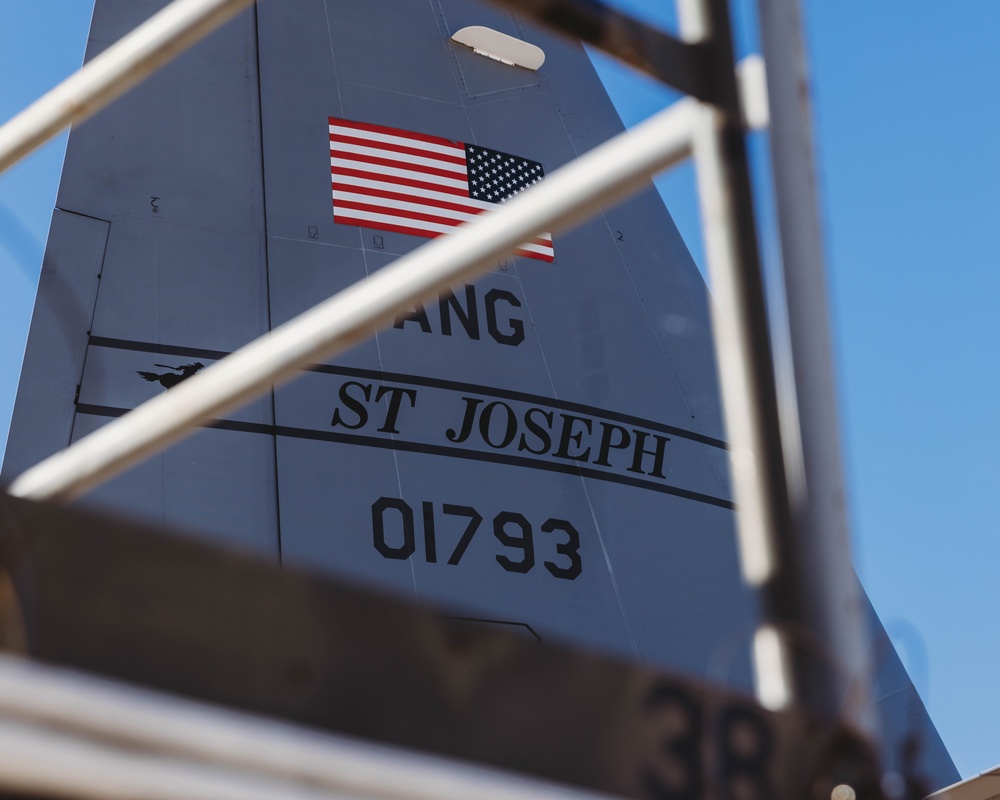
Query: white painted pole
(112, 73)
(746, 372)
(599, 178)
(815, 476)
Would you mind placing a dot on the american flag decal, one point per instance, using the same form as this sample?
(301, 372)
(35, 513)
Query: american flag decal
(396, 180)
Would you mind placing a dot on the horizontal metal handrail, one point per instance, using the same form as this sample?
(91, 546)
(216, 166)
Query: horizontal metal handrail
(69, 734)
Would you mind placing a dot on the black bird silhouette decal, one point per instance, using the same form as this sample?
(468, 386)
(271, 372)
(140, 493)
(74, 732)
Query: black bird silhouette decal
(168, 379)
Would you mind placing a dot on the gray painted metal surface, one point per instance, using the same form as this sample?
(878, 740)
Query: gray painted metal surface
(561, 420)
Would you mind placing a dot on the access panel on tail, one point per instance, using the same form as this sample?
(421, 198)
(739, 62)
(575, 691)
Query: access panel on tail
(541, 450)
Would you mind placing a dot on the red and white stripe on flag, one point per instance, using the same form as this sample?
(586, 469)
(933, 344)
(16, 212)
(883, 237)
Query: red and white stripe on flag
(395, 180)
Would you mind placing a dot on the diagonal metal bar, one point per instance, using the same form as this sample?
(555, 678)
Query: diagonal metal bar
(112, 73)
(600, 178)
(685, 66)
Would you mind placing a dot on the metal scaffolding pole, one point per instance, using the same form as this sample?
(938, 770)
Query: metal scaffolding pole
(786, 468)
(746, 369)
(793, 535)
(112, 73)
(683, 65)
(67, 734)
(810, 429)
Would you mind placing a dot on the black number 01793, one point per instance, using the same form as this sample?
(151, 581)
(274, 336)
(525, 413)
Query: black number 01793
(394, 536)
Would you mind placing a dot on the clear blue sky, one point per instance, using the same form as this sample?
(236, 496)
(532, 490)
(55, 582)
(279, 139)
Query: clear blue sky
(910, 179)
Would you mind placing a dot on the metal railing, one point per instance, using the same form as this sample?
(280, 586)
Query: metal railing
(785, 458)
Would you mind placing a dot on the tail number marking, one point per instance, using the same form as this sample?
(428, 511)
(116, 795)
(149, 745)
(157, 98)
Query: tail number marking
(394, 530)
